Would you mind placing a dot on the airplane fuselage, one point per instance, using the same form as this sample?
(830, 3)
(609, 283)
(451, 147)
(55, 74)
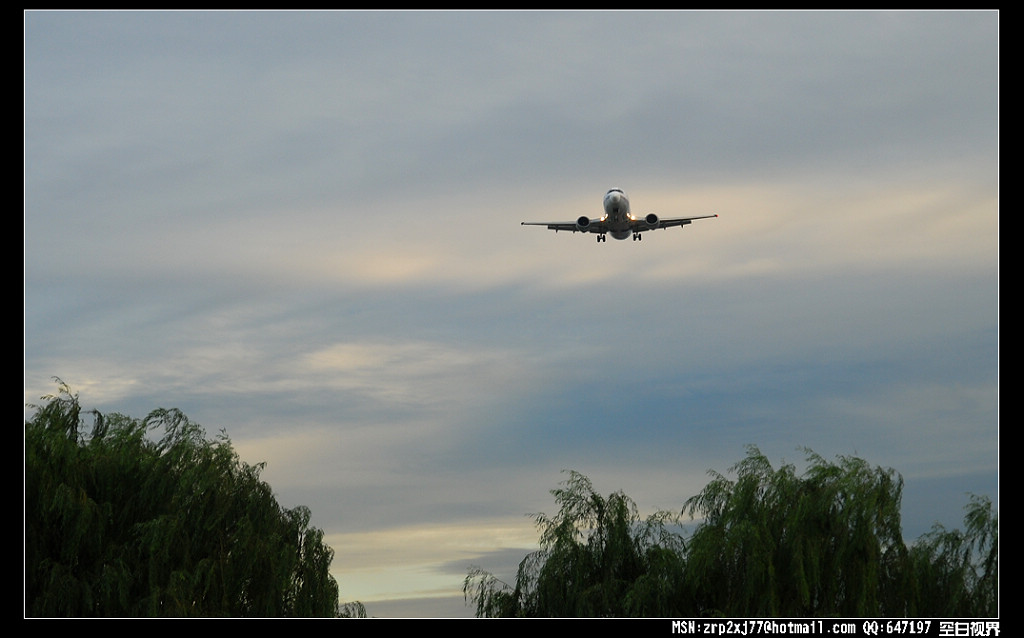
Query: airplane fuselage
(616, 213)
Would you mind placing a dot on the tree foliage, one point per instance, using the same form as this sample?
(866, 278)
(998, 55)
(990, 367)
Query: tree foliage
(957, 571)
(775, 544)
(120, 523)
(597, 558)
(769, 543)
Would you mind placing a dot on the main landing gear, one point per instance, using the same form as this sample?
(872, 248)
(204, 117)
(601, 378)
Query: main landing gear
(602, 238)
(637, 237)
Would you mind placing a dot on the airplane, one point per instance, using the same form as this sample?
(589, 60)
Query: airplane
(617, 220)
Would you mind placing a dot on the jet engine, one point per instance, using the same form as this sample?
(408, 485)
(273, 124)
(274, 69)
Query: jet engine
(651, 220)
(582, 224)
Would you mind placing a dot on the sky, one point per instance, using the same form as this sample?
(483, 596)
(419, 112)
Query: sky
(303, 228)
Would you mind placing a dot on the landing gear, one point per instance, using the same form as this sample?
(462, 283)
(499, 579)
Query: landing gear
(637, 237)
(602, 238)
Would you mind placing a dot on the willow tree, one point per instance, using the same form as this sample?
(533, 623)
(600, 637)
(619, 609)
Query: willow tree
(597, 558)
(776, 544)
(122, 522)
(957, 572)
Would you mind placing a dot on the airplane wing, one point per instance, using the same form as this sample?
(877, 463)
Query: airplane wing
(593, 226)
(642, 224)
(619, 229)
